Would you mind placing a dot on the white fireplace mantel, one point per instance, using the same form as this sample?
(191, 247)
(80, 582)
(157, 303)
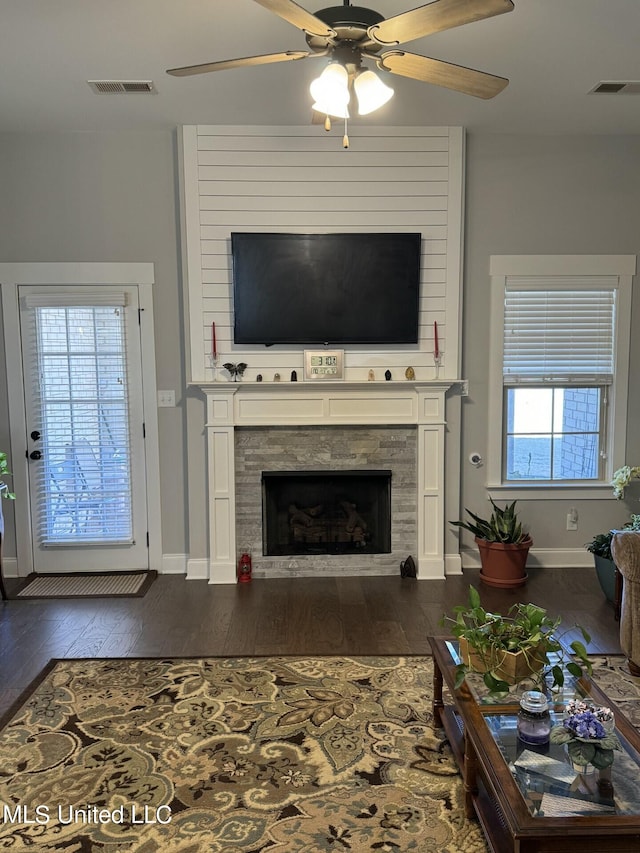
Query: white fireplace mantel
(238, 404)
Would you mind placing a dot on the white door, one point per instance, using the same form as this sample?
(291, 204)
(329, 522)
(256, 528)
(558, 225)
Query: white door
(85, 428)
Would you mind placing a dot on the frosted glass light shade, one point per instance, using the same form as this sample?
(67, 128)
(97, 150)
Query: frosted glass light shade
(371, 92)
(327, 109)
(330, 91)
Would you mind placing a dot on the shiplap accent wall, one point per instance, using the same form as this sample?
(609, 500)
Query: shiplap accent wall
(300, 179)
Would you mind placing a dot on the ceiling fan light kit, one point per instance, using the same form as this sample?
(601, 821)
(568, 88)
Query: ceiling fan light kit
(371, 92)
(330, 91)
(347, 35)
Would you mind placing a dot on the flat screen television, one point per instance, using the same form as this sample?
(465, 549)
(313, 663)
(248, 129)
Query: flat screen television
(360, 288)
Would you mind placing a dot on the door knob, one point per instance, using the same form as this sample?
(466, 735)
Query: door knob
(35, 435)
(35, 454)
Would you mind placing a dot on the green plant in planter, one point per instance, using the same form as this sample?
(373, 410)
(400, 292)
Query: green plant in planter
(502, 526)
(5, 472)
(527, 630)
(600, 545)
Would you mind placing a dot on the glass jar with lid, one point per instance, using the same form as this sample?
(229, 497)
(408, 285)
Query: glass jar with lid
(534, 719)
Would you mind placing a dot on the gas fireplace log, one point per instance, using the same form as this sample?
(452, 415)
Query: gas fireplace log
(354, 520)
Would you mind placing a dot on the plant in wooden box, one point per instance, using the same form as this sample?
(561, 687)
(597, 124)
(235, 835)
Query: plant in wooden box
(503, 545)
(506, 649)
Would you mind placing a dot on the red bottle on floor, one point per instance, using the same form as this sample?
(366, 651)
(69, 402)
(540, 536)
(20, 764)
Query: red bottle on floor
(244, 568)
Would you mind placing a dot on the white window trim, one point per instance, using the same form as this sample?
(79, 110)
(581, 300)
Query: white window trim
(502, 267)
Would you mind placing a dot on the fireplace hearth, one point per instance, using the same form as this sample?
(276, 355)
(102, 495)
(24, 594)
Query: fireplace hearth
(326, 512)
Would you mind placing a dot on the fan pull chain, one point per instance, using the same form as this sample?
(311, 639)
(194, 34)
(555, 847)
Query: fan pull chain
(345, 138)
(327, 123)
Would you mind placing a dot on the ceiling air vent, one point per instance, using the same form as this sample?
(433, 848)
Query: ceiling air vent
(123, 87)
(616, 87)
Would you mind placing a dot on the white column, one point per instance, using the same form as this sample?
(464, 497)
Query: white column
(222, 485)
(431, 437)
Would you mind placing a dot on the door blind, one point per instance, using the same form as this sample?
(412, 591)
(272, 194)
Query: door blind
(81, 413)
(555, 333)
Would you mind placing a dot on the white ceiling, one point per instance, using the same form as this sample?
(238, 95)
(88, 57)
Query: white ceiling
(553, 52)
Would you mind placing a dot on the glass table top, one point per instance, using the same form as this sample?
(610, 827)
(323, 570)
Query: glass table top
(549, 784)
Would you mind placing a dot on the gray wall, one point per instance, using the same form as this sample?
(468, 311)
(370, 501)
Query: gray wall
(105, 197)
(112, 197)
(545, 195)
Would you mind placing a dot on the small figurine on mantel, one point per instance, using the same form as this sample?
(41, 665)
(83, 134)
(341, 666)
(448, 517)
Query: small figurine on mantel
(372, 376)
(235, 370)
(387, 375)
(410, 373)
(276, 377)
(294, 375)
(259, 378)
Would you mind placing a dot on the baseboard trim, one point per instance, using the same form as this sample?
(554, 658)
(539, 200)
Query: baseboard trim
(452, 564)
(174, 564)
(10, 567)
(198, 569)
(540, 558)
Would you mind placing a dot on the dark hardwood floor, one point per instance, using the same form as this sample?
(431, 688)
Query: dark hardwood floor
(323, 616)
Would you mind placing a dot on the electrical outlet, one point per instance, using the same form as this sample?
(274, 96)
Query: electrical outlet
(572, 519)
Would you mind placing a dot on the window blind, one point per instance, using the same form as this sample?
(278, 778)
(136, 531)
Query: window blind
(80, 408)
(559, 332)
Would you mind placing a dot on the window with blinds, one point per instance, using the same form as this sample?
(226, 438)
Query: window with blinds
(81, 411)
(558, 359)
(559, 333)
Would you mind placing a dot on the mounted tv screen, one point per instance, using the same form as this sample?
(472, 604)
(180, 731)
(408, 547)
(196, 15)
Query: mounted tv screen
(326, 288)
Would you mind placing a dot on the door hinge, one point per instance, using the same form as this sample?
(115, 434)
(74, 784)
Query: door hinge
(140, 310)
(147, 538)
(144, 430)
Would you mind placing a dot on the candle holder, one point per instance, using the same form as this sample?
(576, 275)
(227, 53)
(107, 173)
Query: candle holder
(437, 360)
(213, 360)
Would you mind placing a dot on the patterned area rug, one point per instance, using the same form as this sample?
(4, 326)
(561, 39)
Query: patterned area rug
(227, 755)
(272, 754)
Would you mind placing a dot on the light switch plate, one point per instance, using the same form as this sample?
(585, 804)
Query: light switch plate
(166, 399)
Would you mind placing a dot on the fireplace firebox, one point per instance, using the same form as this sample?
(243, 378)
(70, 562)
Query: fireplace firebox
(326, 512)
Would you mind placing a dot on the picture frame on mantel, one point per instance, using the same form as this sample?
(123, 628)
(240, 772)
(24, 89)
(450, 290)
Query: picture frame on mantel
(323, 364)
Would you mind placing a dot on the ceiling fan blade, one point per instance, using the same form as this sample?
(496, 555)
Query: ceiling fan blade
(297, 16)
(225, 64)
(457, 77)
(435, 17)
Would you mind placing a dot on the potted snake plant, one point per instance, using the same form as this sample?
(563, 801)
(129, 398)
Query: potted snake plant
(503, 544)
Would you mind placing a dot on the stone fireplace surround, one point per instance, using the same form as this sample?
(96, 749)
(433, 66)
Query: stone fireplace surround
(234, 410)
(328, 448)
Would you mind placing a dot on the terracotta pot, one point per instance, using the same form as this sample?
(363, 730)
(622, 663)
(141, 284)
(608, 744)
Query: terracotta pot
(503, 565)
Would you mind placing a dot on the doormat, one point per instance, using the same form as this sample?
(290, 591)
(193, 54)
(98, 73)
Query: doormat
(87, 585)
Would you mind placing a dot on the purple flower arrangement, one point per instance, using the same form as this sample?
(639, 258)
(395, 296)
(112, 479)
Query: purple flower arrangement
(587, 739)
(578, 706)
(585, 725)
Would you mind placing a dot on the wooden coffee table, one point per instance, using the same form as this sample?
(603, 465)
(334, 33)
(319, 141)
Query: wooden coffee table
(528, 799)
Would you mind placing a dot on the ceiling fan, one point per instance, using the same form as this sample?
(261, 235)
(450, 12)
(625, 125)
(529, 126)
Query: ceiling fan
(347, 35)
